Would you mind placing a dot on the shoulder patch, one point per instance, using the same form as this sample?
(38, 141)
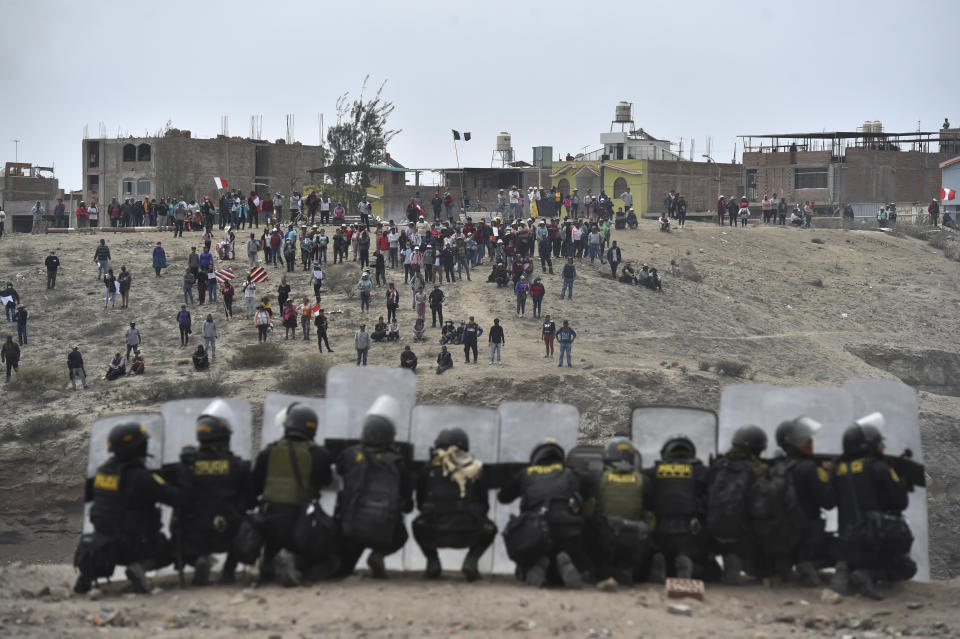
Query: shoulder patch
(157, 478)
(823, 475)
(894, 475)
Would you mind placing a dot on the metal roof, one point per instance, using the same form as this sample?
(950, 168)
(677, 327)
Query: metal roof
(950, 162)
(831, 135)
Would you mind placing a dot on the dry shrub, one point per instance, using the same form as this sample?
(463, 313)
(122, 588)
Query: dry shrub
(306, 376)
(941, 240)
(37, 379)
(703, 365)
(22, 255)
(43, 427)
(343, 280)
(163, 391)
(731, 368)
(105, 328)
(817, 282)
(258, 356)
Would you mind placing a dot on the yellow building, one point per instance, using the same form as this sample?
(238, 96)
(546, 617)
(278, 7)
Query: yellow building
(613, 177)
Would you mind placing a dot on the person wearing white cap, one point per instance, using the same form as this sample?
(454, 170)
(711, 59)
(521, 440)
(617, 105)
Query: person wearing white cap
(376, 491)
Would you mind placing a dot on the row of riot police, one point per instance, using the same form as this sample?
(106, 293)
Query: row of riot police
(763, 518)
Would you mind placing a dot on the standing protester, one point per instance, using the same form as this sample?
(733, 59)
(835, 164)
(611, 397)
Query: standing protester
(365, 286)
(132, 338)
(304, 311)
(159, 258)
(124, 280)
(361, 341)
(316, 279)
(37, 211)
(183, 322)
(110, 283)
(614, 256)
(565, 337)
(520, 291)
(20, 317)
(437, 298)
(75, 368)
(252, 248)
(53, 264)
(10, 355)
(3, 220)
(228, 292)
(101, 257)
(209, 331)
(13, 299)
(547, 334)
(393, 301)
(537, 291)
(496, 340)
(249, 298)
(320, 321)
(470, 334)
(262, 321)
(193, 261)
(569, 274)
(188, 281)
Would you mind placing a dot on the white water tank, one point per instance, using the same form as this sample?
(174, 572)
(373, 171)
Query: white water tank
(877, 126)
(623, 112)
(503, 142)
(867, 126)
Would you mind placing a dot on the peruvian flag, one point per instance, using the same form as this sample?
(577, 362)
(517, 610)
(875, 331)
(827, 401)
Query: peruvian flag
(220, 182)
(947, 194)
(315, 310)
(256, 201)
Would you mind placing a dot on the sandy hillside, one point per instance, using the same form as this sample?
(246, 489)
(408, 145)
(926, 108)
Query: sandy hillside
(796, 307)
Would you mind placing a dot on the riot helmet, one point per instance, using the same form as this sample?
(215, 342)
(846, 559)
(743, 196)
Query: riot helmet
(452, 437)
(863, 436)
(300, 422)
(378, 425)
(750, 439)
(678, 448)
(546, 451)
(795, 433)
(214, 423)
(128, 441)
(621, 454)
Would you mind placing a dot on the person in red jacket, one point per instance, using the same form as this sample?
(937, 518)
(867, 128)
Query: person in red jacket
(537, 291)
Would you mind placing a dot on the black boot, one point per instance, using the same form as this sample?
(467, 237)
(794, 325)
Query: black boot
(138, 578)
(537, 573)
(840, 583)
(731, 570)
(434, 569)
(863, 581)
(658, 569)
(201, 570)
(568, 571)
(470, 568)
(375, 563)
(684, 567)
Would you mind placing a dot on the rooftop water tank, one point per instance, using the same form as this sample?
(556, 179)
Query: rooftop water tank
(867, 126)
(877, 126)
(503, 142)
(623, 112)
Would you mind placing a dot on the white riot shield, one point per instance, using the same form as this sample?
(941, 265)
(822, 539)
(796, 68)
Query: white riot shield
(652, 426)
(482, 425)
(523, 425)
(180, 426)
(357, 387)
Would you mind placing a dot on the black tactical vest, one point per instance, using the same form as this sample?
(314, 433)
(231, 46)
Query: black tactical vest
(443, 495)
(675, 488)
(112, 511)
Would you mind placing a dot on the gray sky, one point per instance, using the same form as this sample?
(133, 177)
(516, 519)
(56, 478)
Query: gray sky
(549, 73)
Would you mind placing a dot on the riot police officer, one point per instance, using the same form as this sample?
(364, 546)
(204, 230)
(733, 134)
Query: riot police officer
(288, 473)
(125, 515)
(452, 497)
(546, 539)
(679, 504)
(730, 482)
(619, 527)
(788, 505)
(874, 538)
(376, 492)
(217, 489)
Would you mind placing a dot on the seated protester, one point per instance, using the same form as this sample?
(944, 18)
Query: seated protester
(376, 492)
(444, 360)
(379, 331)
(408, 359)
(116, 367)
(546, 540)
(948, 220)
(453, 500)
(643, 277)
(627, 275)
(420, 330)
(664, 223)
(393, 331)
(500, 275)
(138, 366)
(631, 219)
(654, 282)
(795, 219)
(620, 221)
(200, 360)
(217, 491)
(448, 332)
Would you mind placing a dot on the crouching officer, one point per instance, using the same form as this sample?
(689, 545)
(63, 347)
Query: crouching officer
(788, 503)
(217, 489)
(731, 481)
(125, 515)
(452, 496)
(679, 504)
(376, 492)
(619, 528)
(874, 537)
(546, 539)
(287, 474)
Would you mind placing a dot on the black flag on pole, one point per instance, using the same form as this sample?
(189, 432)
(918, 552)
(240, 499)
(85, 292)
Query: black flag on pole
(466, 136)
(456, 134)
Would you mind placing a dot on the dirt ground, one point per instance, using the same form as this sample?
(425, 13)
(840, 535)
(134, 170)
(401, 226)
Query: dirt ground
(35, 602)
(795, 306)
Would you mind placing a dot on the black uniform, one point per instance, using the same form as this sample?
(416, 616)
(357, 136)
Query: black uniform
(217, 491)
(618, 531)
(436, 305)
(730, 482)
(679, 504)
(376, 492)
(274, 479)
(449, 520)
(873, 534)
(53, 264)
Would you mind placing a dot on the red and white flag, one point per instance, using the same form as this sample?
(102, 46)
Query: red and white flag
(220, 182)
(256, 201)
(315, 310)
(947, 194)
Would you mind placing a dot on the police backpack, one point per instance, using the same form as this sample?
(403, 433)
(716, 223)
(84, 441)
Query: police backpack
(774, 508)
(372, 511)
(728, 513)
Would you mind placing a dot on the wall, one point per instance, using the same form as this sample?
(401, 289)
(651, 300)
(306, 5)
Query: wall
(696, 181)
(950, 178)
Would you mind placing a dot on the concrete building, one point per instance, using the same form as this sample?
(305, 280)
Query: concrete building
(177, 164)
(950, 179)
(22, 186)
(865, 167)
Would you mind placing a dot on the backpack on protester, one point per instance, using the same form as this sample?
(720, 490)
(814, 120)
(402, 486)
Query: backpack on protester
(728, 512)
(373, 511)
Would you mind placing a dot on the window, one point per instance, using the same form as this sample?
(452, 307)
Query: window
(128, 186)
(129, 153)
(619, 186)
(396, 177)
(93, 155)
(143, 186)
(564, 187)
(143, 153)
(810, 178)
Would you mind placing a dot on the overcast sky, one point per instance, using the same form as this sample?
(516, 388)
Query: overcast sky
(550, 73)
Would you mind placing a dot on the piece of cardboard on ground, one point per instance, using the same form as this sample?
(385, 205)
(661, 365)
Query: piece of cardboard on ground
(652, 426)
(357, 387)
(180, 426)
(482, 426)
(523, 425)
(836, 408)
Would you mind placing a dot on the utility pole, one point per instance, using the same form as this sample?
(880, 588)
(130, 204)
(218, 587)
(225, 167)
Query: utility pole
(16, 150)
